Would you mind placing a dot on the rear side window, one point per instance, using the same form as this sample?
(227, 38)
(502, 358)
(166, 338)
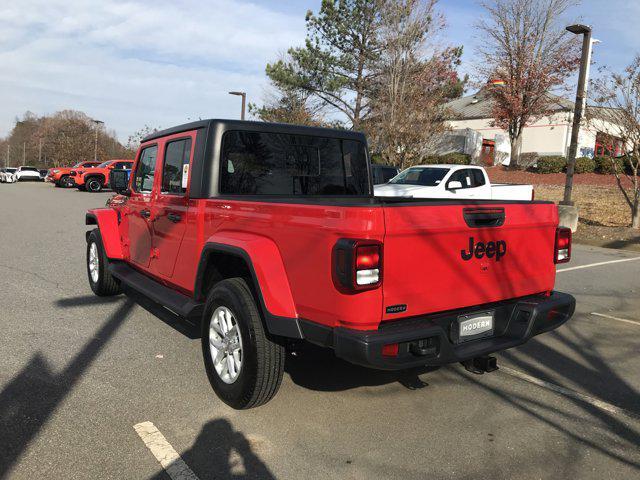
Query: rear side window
(175, 168)
(257, 163)
(143, 180)
(478, 177)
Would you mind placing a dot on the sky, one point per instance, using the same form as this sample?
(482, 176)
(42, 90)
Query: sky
(161, 63)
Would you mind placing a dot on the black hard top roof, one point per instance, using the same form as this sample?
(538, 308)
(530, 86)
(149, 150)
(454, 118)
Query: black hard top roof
(258, 127)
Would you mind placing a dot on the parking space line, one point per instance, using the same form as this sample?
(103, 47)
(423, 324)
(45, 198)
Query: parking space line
(591, 265)
(632, 322)
(595, 402)
(164, 452)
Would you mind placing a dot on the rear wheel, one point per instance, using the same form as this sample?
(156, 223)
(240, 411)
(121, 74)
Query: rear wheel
(93, 184)
(101, 281)
(244, 366)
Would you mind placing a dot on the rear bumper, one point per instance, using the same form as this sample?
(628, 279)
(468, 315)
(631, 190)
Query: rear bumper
(431, 340)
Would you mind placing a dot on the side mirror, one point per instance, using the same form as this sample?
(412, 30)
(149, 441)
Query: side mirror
(454, 185)
(119, 181)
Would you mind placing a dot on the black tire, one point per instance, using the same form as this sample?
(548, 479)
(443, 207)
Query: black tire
(263, 358)
(93, 184)
(105, 285)
(64, 182)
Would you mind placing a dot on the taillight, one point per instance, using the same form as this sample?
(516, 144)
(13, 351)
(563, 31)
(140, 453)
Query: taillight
(357, 265)
(562, 251)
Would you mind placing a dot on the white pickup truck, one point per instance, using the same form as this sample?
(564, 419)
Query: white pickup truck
(450, 181)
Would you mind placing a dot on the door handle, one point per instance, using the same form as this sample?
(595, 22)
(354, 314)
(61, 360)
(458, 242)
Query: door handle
(174, 217)
(145, 213)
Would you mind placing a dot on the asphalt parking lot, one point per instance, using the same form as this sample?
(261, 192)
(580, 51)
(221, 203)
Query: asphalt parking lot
(77, 372)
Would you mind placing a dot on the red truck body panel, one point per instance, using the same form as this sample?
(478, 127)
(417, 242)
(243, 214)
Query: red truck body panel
(424, 268)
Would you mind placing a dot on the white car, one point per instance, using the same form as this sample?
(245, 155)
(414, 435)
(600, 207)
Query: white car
(450, 181)
(25, 173)
(7, 175)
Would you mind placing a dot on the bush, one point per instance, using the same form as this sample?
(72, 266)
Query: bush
(604, 165)
(528, 160)
(585, 165)
(430, 160)
(552, 164)
(456, 158)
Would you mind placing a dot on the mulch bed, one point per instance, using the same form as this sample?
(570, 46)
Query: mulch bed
(501, 175)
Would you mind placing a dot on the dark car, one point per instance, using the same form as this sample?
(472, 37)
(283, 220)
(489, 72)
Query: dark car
(383, 173)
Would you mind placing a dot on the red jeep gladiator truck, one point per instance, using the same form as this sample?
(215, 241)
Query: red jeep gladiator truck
(266, 233)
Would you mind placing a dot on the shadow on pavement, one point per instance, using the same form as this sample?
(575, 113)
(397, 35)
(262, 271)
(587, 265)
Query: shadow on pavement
(220, 452)
(319, 369)
(32, 396)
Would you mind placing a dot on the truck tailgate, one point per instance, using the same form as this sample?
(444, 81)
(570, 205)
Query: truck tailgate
(441, 256)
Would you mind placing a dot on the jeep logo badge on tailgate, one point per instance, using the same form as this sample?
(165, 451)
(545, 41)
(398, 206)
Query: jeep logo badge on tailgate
(496, 249)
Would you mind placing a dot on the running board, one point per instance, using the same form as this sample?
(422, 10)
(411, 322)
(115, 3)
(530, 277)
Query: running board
(178, 303)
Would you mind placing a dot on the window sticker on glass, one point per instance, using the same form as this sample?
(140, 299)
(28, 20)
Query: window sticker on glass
(185, 175)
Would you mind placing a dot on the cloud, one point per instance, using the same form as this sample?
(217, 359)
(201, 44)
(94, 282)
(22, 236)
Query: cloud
(132, 63)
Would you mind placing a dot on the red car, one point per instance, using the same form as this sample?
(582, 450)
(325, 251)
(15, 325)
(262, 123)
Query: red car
(59, 176)
(96, 178)
(266, 234)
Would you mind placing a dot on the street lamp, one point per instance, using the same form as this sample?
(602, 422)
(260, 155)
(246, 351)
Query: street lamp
(578, 109)
(95, 145)
(244, 101)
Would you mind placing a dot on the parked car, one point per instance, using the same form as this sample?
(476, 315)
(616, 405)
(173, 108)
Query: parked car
(59, 176)
(451, 181)
(6, 175)
(265, 234)
(383, 173)
(25, 173)
(43, 174)
(94, 179)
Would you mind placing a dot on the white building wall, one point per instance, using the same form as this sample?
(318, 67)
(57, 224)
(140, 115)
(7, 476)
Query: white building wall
(547, 136)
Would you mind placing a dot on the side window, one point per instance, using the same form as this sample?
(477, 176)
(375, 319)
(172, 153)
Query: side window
(478, 177)
(462, 176)
(175, 169)
(143, 180)
(123, 165)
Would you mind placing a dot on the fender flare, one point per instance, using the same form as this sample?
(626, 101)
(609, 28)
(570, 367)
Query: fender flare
(268, 275)
(107, 221)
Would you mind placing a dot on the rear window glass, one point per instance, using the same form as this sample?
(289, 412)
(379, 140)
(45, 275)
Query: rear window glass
(257, 163)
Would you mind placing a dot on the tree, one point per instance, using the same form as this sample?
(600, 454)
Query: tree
(64, 138)
(410, 89)
(525, 45)
(619, 94)
(135, 139)
(335, 65)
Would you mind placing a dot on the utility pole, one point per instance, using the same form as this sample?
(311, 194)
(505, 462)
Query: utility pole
(40, 150)
(24, 153)
(6, 160)
(244, 102)
(95, 145)
(585, 31)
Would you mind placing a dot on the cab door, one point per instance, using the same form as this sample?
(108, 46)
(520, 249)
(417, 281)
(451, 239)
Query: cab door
(172, 202)
(139, 207)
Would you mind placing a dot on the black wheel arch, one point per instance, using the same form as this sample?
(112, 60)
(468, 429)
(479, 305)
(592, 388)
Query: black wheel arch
(219, 262)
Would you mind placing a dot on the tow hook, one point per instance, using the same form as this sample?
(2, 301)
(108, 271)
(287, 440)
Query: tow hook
(480, 365)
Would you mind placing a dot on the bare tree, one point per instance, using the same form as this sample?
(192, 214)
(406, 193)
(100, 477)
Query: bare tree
(619, 96)
(413, 80)
(524, 44)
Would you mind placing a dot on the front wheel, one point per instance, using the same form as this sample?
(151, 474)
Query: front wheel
(101, 281)
(94, 184)
(244, 366)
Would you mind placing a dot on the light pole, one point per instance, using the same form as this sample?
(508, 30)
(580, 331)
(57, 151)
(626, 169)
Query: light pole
(578, 109)
(95, 145)
(244, 102)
